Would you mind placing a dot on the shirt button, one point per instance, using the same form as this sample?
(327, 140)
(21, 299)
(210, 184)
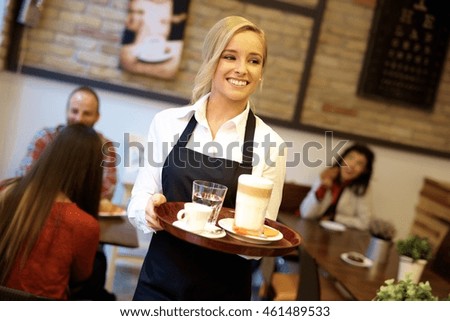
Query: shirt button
(212, 150)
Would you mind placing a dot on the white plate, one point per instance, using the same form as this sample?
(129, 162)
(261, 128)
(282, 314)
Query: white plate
(182, 225)
(365, 263)
(227, 225)
(155, 59)
(333, 226)
(112, 214)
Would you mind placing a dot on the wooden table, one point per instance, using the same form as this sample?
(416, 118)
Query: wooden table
(117, 230)
(361, 283)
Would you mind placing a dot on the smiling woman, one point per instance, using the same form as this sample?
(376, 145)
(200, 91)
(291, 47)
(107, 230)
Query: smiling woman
(234, 55)
(237, 76)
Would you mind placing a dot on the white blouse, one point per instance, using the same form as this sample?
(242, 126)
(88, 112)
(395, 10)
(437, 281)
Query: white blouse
(351, 210)
(269, 153)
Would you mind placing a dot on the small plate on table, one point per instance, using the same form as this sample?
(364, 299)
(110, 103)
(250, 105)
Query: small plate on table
(333, 226)
(182, 225)
(356, 259)
(113, 214)
(108, 209)
(227, 225)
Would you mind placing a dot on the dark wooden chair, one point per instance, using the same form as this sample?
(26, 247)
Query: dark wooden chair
(9, 294)
(310, 283)
(302, 286)
(293, 195)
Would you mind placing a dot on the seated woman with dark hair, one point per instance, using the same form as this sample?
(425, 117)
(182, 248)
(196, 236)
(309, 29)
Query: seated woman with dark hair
(342, 192)
(48, 222)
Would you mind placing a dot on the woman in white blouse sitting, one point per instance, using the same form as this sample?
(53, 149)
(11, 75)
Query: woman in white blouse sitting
(342, 192)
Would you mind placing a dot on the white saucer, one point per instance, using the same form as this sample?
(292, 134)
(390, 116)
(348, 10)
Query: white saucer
(155, 59)
(227, 225)
(112, 214)
(182, 225)
(365, 263)
(333, 226)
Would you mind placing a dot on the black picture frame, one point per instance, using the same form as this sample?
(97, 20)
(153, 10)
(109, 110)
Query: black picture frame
(406, 52)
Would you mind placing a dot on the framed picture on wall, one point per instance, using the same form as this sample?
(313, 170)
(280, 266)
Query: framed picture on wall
(152, 41)
(406, 52)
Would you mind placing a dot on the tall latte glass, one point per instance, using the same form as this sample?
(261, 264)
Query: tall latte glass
(252, 199)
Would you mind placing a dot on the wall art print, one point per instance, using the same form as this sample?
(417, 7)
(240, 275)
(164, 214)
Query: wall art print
(152, 41)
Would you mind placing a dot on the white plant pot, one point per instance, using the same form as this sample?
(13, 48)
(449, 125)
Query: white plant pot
(407, 266)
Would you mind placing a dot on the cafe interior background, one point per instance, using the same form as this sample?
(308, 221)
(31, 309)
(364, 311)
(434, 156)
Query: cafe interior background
(317, 51)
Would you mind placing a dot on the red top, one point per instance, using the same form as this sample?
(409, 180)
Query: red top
(64, 251)
(336, 190)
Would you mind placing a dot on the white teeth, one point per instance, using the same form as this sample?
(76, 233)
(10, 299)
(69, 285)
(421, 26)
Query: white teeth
(237, 82)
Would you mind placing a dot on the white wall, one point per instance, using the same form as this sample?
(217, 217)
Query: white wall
(29, 103)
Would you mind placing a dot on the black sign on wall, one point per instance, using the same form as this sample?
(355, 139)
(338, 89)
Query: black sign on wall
(406, 51)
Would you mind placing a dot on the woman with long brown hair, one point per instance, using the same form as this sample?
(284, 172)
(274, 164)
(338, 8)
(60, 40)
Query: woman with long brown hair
(48, 217)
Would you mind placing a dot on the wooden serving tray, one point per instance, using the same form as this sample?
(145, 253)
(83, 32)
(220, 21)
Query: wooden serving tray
(167, 214)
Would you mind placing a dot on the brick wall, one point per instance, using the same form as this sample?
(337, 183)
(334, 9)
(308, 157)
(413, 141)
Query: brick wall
(82, 38)
(4, 29)
(331, 101)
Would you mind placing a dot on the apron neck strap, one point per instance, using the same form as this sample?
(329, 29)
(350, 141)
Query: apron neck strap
(247, 152)
(186, 135)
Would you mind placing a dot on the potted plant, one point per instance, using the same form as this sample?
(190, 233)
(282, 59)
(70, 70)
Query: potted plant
(405, 290)
(382, 233)
(414, 254)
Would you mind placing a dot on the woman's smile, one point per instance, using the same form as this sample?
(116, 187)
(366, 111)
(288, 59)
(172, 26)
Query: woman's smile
(237, 82)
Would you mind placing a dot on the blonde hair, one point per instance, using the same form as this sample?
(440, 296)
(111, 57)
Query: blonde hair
(215, 42)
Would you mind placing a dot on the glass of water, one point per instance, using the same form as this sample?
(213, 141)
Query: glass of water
(210, 194)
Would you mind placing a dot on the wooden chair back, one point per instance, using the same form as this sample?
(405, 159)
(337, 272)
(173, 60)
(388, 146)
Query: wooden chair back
(9, 294)
(293, 195)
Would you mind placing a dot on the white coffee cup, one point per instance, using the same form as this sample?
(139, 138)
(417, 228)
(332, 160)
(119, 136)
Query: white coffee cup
(252, 199)
(194, 215)
(153, 47)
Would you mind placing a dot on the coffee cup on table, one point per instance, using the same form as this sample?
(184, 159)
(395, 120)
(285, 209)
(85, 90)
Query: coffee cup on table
(252, 200)
(194, 215)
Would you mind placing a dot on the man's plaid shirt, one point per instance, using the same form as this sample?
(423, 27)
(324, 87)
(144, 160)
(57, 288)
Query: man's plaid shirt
(47, 135)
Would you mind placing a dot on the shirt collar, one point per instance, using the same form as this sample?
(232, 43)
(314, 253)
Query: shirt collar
(187, 111)
(238, 122)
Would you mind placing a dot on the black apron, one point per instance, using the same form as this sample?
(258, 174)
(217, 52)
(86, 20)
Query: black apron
(177, 270)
